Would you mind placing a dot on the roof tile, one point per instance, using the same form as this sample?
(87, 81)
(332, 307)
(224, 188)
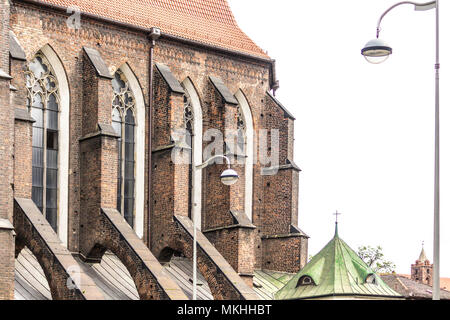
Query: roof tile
(206, 21)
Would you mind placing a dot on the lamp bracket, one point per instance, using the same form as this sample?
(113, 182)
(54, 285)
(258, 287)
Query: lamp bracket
(418, 7)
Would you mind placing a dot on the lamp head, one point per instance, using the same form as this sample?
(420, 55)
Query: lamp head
(229, 177)
(376, 51)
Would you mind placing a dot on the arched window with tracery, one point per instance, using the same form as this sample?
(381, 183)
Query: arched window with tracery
(189, 127)
(124, 123)
(43, 102)
(244, 148)
(193, 124)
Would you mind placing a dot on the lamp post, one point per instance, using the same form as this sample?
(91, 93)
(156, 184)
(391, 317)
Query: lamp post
(228, 178)
(377, 51)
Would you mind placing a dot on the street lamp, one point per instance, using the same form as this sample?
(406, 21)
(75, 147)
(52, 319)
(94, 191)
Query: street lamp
(377, 51)
(228, 178)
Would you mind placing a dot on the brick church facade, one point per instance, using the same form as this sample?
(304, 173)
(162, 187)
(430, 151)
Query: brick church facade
(82, 89)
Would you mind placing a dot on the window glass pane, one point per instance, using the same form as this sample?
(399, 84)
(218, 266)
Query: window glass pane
(129, 151)
(130, 117)
(128, 214)
(38, 115)
(51, 195)
(52, 176)
(129, 170)
(52, 140)
(36, 195)
(37, 100)
(38, 137)
(119, 195)
(38, 157)
(52, 159)
(52, 120)
(129, 188)
(52, 218)
(38, 176)
(52, 103)
(129, 133)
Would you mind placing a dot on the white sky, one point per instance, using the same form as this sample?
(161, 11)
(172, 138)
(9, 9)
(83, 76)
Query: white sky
(364, 133)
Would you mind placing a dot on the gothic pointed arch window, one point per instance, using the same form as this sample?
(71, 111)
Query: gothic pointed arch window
(124, 123)
(43, 102)
(193, 124)
(189, 127)
(245, 146)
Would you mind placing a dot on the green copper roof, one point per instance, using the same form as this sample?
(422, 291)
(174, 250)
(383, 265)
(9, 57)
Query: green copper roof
(336, 271)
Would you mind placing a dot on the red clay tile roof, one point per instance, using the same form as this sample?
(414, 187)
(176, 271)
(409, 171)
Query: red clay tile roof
(445, 282)
(411, 289)
(207, 21)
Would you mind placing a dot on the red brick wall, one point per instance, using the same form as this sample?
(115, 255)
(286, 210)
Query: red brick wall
(424, 272)
(4, 36)
(6, 265)
(22, 159)
(285, 254)
(36, 27)
(90, 103)
(6, 161)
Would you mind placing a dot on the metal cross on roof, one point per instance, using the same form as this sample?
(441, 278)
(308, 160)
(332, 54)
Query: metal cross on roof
(337, 214)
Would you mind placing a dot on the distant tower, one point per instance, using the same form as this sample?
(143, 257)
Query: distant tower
(422, 270)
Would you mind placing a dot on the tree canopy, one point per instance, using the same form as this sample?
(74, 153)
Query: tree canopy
(374, 258)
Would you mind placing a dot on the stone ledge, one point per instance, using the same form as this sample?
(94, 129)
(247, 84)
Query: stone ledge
(287, 114)
(169, 78)
(223, 91)
(270, 171)
(240, 221)
(5, 224)
(104, 130)
(4, 75)
(164, 148)
(15, 49)
(23, 115)
(284, 236)
(98, 63)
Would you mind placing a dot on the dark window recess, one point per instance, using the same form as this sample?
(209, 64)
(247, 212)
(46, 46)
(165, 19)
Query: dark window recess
(52, 140)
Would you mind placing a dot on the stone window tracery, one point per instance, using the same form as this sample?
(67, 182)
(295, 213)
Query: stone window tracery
(124, 123)
(43, 102)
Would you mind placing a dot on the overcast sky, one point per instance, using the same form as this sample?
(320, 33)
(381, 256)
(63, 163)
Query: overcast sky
(364, 133)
